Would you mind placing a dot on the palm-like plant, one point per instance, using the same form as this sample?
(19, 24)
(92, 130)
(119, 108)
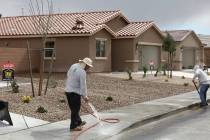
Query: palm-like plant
(169, 45)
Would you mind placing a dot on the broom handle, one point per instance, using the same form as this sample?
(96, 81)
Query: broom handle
(196, 87)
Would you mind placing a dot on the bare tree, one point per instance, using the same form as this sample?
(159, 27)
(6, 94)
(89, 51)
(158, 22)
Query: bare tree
(42, 23)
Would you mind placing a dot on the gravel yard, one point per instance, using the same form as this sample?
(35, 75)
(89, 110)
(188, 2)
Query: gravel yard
(100, 86)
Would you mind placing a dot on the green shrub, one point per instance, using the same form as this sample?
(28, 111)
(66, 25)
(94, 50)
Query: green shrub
(109, 98)
(190, 67)
(41, 109)
(129, 72)
(166, 80)
(186, 84)
(145, 71)
(183, 77)
(26, 99)
(15, 86)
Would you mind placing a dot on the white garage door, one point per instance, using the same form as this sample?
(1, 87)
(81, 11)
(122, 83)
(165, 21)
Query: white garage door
(147, 54)
(188, 58)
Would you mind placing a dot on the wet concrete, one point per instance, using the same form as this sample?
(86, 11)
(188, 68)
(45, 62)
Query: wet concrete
(130, 117)
(188, 125)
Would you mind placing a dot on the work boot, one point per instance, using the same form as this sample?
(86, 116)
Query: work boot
(78, 128)
(82, 123)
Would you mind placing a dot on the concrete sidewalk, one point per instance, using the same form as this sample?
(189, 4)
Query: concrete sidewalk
(130, 117)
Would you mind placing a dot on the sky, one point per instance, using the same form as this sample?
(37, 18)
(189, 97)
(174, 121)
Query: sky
(167, 14)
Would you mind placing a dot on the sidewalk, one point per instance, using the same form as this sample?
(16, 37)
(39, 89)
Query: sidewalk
(130, 117)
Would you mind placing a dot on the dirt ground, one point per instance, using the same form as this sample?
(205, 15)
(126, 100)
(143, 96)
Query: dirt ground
(100, 86)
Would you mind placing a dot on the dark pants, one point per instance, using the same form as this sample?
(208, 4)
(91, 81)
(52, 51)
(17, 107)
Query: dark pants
(203, 90)
(74, 102)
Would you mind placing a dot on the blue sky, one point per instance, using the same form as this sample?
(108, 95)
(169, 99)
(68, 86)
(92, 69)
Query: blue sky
(167, 14)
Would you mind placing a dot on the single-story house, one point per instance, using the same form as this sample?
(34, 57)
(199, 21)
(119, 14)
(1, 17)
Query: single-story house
(189, 49)
(205, 39)
(107, 37)
(136, 45)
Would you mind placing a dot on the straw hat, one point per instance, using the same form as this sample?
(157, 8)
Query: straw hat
(87, 61)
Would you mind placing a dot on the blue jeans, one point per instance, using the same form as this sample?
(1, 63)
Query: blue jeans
(203, 90)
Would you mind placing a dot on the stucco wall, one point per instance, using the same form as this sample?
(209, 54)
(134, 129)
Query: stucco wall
(117, 23)
(189, 42)
(207, 56)
(149, 36)
(101, 64)
(122, 50)
(15, 51)
(68, 51)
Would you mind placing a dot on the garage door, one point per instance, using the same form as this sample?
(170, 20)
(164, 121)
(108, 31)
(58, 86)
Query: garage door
(147, 54)
(188, 58)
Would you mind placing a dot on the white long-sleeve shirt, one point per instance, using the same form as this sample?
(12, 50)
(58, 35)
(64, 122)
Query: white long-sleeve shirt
(76, 80)
(202, 76)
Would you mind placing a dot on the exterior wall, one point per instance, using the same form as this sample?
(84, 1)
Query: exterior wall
(123, 55)
(151, 36)
(15, 51)
(206, 56)
(101, 64)
(116, 24)
(68, 51)
(191, 43)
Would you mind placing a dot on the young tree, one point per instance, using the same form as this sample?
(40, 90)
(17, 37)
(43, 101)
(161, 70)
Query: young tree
(169, 45)
(42, 22)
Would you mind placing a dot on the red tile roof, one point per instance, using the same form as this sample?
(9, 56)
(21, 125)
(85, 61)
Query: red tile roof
(59, 23)
(134, 29)
(65, 24)
(205, 39)
(179, 35)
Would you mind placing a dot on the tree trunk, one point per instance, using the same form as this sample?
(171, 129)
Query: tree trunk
(171, 55)
(168, 67)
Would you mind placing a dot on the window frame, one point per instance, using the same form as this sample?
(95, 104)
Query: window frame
(48, 48)
(101, 56)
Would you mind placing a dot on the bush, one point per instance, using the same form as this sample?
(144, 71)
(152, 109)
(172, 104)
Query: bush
(190, 67)
(26, 99)
(129, 72)
(61, 100)
(109, 98)
(183, 77)
(166, 80)
(41, 109)
(15, 86)
(145, 71)
(186, 84)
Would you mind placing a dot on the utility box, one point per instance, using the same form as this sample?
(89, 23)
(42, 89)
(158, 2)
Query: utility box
(8, 72)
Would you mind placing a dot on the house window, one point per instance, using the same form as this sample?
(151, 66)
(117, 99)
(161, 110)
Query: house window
(100, 47)
(48, 50)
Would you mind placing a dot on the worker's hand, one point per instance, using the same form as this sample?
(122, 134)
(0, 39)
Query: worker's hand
(85, 99)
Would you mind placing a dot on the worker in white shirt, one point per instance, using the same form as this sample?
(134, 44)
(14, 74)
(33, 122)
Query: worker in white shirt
(204, 81)
(75, 89)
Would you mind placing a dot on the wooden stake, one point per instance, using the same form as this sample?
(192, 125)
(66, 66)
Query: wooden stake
(29, 60)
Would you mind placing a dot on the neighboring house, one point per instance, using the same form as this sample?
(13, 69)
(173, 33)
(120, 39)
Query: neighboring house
(189, 49)
(136, 45)
(205, 39)
(107, 37)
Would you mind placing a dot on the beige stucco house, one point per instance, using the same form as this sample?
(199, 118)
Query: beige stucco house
(136, 45)
(205, 39)
(189, 49)
(107, 37)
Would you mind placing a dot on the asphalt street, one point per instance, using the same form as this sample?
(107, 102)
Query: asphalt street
(192, 124)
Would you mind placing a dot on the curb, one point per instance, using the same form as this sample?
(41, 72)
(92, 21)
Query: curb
(157, 117)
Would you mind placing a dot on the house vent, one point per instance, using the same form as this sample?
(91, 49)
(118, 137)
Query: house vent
(78, 25)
